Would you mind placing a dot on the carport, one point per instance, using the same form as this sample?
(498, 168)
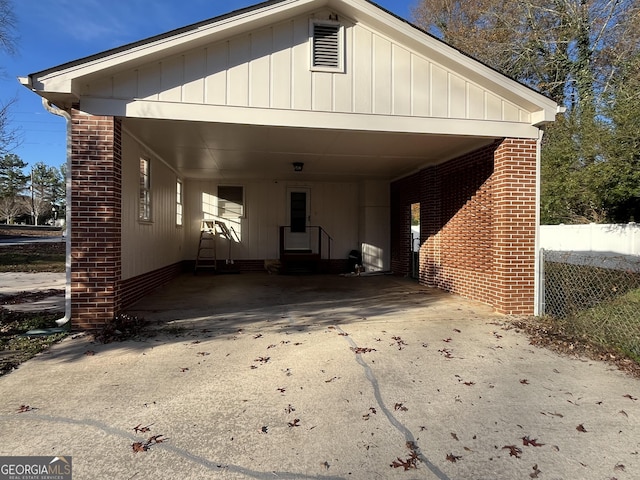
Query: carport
(286, 119)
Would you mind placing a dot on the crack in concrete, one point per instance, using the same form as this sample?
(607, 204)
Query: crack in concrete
(408, 435)
(214, 466)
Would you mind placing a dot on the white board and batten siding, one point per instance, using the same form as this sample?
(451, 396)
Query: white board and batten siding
(334, 206)
(148, 245)
(270, 68)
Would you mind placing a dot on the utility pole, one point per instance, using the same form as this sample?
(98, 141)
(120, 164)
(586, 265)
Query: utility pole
(33, 205)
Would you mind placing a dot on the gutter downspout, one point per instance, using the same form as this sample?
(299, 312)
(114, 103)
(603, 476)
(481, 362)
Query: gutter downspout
(67, 296)
(538, 295)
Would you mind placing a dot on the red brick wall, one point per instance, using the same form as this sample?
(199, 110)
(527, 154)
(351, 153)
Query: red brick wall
(135, 288)
(477, 225)
(95, 219)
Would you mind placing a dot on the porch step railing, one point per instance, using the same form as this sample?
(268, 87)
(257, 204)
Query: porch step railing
(306, 251)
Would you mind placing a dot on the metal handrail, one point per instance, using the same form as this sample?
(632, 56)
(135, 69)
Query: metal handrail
(321, 233)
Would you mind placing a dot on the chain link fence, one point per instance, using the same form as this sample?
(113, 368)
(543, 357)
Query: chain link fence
(595, 296)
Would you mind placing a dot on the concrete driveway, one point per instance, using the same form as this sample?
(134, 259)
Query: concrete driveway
(266, 377)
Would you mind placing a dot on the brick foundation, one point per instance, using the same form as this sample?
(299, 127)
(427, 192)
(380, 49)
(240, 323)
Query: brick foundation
(477, 225)
(135, 288)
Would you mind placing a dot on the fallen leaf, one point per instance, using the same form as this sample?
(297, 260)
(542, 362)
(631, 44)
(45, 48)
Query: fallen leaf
(535, 472)
(581, 428)
(140, 429)
(399, 342)
(446, 352)
(513, 450)
(410, 462)
(526, 441)
(362, 349)
(139, 447)
(453, 458)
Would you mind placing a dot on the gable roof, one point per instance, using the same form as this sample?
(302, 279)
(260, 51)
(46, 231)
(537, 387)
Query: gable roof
(60, 84)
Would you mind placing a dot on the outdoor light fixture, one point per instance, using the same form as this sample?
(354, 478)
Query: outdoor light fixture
(297, 166)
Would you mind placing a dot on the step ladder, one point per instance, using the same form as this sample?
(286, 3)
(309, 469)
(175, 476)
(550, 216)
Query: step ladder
(207, 255)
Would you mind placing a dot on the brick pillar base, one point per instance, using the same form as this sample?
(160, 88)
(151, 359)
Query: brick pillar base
(95, 220)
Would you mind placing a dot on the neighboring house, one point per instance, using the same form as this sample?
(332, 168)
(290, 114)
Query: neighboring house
(208, 121)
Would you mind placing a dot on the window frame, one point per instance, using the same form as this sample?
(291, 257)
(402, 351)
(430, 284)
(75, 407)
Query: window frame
(220, 203)
(179, 202)
(144, 191)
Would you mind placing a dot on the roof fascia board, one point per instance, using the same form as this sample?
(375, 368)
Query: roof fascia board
(161, 44)
(306, 119)
(445, 54)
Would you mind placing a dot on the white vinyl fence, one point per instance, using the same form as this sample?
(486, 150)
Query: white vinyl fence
(623, 239)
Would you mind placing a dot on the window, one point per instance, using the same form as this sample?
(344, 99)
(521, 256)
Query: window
(230, 201)
(327, 46)
(179, 202)
(144, 213)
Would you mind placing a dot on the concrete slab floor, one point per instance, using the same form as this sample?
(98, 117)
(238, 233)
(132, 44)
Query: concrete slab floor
(262, 377)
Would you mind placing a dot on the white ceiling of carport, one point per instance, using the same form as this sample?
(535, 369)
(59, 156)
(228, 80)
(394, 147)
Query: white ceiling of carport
(232, 151)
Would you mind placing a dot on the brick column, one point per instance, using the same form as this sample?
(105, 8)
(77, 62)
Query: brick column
(430, 225)
(96, 179)
(514, 203)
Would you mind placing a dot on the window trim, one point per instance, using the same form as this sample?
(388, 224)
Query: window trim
(218, 201)
(179, 202)
(144, 191)
(340, 68)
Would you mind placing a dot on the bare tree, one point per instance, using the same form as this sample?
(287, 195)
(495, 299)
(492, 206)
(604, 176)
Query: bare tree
(9, 137)
(7, 27)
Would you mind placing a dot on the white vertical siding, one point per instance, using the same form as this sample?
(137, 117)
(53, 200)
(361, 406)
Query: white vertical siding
(362, 67)
(334, 206)
(270, 68)
(147, 246)
(194, 74)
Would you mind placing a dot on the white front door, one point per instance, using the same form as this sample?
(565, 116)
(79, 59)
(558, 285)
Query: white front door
(299, 216)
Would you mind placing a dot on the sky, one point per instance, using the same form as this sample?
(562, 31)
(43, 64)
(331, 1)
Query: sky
(52, 32)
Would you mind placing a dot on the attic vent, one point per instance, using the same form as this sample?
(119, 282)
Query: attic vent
(326, 47)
